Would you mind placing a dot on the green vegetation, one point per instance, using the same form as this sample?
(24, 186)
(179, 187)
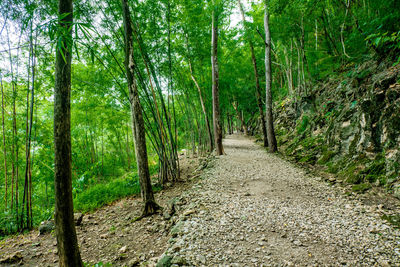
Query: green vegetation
(331, 73)
(105, 193)
(393, 219)
(360, 188)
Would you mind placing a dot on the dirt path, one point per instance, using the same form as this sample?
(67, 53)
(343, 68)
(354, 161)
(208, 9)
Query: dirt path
(255, 209)
(248, 208)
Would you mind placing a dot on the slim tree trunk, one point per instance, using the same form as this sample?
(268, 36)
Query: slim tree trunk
(215, 84)
(303, 51)
(299, 75)
(342, 29)
(4, 144)
(150, 206)
(328, 37)
(174, 143)
(268, 101)
(14, 158)
(258, 88)
(29, 114)
(67, 243)
(240, 117)
(128, 154)
(288, 71)
(228, 117)
(210, 137)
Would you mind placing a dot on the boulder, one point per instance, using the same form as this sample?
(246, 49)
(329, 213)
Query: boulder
(164, 261)
(46, 227)
(13, 258)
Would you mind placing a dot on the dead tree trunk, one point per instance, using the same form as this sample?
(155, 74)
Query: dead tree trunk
(268, 101)
(67, 243)
(215, 84)
(150, 206)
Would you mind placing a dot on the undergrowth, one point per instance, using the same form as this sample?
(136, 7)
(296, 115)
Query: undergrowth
(102, 194)
(88, 196)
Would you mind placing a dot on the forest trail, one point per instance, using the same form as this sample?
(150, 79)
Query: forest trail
(247, 208)
(254, 209)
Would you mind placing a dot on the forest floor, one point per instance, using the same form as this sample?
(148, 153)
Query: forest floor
(247, 208)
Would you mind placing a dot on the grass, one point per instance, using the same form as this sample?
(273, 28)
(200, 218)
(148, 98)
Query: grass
(361, 188)
(392, 219)
(102, 194)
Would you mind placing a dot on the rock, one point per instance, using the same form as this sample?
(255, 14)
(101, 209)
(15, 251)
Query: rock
(104, 236)
(171, 207)
(123, 249)
(164, 261)
(188, 212)
(383, 263)
(176, 229)
(46, 227)
(396, 190)
(78, 217)
(13, 258)
(178, 260)
(297, 243)
(134, 262)
(166, 214)
(261, 243)
(202, 259)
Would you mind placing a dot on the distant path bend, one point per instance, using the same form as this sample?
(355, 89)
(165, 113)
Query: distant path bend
(254, 209)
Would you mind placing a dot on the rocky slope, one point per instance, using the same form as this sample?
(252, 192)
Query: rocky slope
(350, 125)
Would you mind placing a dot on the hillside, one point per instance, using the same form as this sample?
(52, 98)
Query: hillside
(349, 125)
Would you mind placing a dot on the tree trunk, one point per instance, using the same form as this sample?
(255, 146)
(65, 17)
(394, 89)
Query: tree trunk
(67, 243)
(14, 143)
(150, 206)
(215, 84)
(289, 76)
(268, 101)
(299, 73)
(29, 121)
(203, 108)
(174, 138)
(228, 117)
(303, 51)
(331, 43)
(4, 144)
(128, 154)
(258, 88)
(240, 117)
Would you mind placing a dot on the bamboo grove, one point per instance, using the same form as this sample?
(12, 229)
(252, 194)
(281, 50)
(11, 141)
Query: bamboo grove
(178, 73)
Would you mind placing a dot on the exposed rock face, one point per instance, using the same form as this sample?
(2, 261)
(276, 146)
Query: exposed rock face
(351, 124)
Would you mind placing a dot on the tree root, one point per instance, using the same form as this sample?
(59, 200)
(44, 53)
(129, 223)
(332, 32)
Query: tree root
(150, 208)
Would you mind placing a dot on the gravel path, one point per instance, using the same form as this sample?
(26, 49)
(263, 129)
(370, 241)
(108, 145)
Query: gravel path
(252, 208)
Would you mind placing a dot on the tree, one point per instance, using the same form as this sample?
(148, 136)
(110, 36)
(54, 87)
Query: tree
(67, 243)
(150, 206)
(258, 88)
(215, 82)
(268, 101)
(4, 142)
